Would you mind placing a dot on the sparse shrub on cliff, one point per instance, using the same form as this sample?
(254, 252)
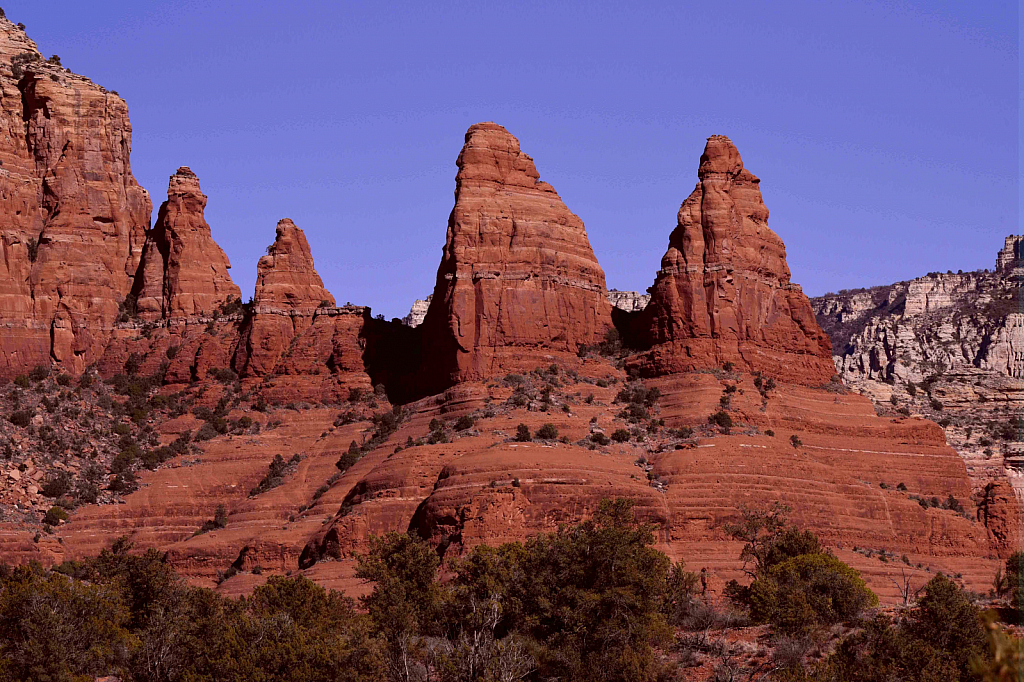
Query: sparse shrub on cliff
(795, 441)
(39, 373)
(223, 375)
(464, 423)
(22, 381)
(276, 473)
(206, 432)
(600, 438)
(547, 432)
(936, 405)
(55, 515)
(620, 435)
(523, 434)
(123, 483)
(722, 419)
(219, 520)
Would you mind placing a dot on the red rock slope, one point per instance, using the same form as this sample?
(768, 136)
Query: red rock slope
(723, 293)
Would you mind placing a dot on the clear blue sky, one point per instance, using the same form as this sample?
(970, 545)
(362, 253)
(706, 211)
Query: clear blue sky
(885, 134)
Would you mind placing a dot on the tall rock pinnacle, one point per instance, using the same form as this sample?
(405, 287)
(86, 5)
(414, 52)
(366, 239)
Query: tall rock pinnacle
(184, 273)
(723, 292)
(518, 279)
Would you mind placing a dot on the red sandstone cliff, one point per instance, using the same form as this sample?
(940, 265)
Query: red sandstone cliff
(723, 293)
(518, 281)
(74, 217)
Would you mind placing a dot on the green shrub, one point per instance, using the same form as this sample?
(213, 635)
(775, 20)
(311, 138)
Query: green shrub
(523, 434)
(22, 381)
(39, 372)
(721, 419)
(620, 435)
(547, 432)
(55, 515)
(464, 422)
(21, 418)
(58, 485)
(808, 590)
(206, 432)
(599, 438)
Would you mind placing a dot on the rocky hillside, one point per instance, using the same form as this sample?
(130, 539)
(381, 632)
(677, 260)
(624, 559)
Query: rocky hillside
(946, 346)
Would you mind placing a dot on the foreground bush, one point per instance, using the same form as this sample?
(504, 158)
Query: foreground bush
(807, 591)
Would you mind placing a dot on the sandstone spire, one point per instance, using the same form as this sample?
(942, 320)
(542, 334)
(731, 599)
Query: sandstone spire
(183, 272)
(286, 276)
(289, 300)
(723, 292)
(518, 279)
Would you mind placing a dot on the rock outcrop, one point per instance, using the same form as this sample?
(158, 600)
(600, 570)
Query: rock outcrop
(418, 312)
(723, 294)
(518, 282)
(74, 217)
(183, 273)
(948, 346)
(630, 301)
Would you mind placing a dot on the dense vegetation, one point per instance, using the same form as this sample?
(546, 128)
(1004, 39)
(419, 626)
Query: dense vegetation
(593, 601)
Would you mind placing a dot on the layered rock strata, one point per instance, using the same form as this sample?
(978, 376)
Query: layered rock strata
(723, 294)
(629, 301)
(74, 217)
(518, 282)
(947, 346)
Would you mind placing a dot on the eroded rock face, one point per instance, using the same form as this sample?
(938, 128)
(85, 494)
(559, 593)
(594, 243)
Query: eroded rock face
(723, 293)
(518, 281)
(949, 346)
(184, 273)
(74, 217)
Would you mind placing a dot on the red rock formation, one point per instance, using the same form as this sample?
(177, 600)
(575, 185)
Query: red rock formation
(184, 273)
(723, 292)
(518, 281)
(295, 329)
(74, 217)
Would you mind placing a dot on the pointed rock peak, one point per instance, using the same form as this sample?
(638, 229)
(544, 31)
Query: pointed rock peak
(183, 273)
(518, 279)
(723, 292)
(492, 154)
(286, 276)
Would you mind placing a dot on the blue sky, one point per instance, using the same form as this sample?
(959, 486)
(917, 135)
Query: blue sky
(885, 134)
